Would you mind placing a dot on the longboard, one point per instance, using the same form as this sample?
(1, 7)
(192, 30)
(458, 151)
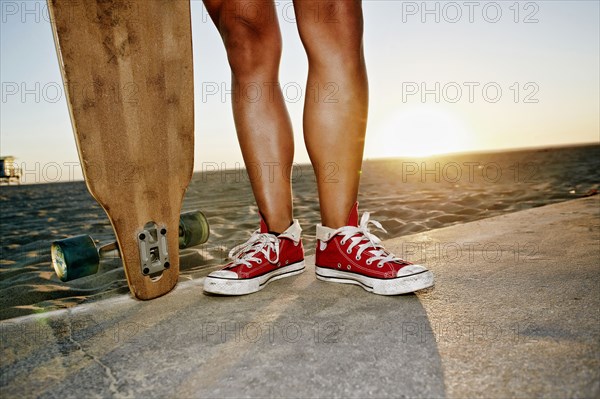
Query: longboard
(127, 70)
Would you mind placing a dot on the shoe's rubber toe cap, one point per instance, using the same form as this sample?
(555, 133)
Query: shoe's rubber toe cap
(410, 270)
(224, 274)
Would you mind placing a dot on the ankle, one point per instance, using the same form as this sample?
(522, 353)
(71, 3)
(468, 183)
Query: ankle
(340, 215)
(280, 228)
(333, 223)
(277, 225)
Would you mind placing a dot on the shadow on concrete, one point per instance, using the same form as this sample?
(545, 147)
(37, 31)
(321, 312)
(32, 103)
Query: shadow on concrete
(297, 338)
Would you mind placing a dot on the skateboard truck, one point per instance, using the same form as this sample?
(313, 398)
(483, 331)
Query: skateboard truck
(154, 252)
(78, 256)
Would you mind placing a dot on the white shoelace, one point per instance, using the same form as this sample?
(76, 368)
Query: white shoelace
(368, 241)
(258, 243)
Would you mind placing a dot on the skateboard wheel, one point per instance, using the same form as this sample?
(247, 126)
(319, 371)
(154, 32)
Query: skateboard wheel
(75, 257)
(193, 229)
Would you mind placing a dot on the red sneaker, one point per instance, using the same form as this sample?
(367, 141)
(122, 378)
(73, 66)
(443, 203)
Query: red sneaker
(352, 255)
(265, 257)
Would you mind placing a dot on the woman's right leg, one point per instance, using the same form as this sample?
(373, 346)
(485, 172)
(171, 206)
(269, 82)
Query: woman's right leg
(251, 35)
(253, 42)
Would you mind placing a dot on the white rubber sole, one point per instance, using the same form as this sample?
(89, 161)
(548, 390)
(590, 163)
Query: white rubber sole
(393, 286)
(230, 286)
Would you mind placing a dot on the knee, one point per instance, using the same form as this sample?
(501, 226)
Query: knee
(333, 33)
(253, 46)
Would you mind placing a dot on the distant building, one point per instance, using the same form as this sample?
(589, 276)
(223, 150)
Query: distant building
(9, 172)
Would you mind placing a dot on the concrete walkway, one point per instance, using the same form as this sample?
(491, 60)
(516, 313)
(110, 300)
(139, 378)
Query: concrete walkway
(515, 313)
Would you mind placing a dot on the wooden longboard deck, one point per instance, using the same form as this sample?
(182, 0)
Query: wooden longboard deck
(127, 69)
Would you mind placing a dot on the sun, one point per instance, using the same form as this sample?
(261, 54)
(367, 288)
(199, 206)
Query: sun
(418, 131)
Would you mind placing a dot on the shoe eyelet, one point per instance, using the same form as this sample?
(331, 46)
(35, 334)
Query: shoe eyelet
(348, 251)
(369, 261)
(343, 242)
(357, 257)
(249, 266)
(348, 267)
(259, 261)
(379, 265)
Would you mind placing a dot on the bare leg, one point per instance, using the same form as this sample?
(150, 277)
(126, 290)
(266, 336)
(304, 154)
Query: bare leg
(251, 35)
(335, 110)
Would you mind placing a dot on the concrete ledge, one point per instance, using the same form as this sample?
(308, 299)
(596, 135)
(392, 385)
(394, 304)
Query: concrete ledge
(514, 313)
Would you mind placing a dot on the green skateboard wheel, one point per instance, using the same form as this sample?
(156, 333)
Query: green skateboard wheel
(193, 229)
(75, 257)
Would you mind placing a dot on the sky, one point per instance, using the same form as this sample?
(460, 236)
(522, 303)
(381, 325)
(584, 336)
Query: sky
(443, 76)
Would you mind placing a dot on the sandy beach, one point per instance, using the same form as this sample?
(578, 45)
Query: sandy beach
(407, 195)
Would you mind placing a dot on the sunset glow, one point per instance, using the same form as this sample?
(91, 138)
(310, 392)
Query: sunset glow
(419, 131)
